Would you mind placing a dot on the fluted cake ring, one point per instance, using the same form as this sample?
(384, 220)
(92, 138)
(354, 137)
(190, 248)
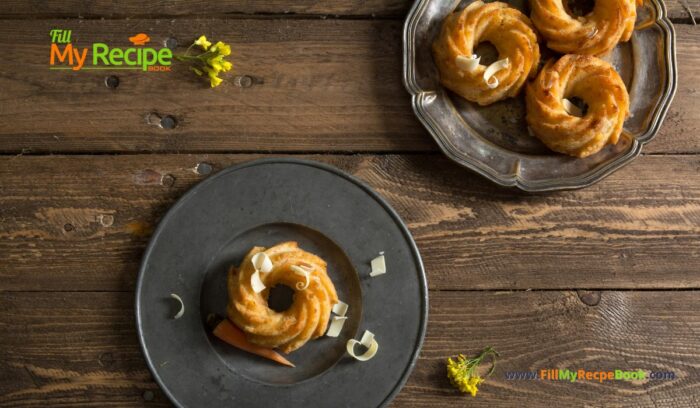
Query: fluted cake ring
(595, 82)
(510, 32)
(307, 318)
(596, 33)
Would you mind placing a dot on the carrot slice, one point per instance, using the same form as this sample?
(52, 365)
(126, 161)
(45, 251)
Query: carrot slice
(234, 336)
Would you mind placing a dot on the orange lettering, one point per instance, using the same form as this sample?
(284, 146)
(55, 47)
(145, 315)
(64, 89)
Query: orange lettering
(80, 59)
(67, 52)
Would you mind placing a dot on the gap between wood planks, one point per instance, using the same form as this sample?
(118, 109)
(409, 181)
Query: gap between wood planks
(679, 12)
(486, 290)
(268, 152)
(690, 19)
(228, 16)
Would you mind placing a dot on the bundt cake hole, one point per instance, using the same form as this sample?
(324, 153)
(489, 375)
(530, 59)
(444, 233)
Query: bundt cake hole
(579, 103)
(488, 53)
(579, 8)
(280, 297)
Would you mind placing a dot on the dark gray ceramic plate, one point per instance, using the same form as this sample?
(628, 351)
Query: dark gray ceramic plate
(262, 203)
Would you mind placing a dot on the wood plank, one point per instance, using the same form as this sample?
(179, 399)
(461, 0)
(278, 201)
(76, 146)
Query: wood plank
(179, 8)
(72, 349)
(184, 8)
(82, 222)
(626, 330)
(80, 349)
(328, 85)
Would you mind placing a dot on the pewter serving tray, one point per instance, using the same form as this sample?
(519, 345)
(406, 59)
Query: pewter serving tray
(494, 141)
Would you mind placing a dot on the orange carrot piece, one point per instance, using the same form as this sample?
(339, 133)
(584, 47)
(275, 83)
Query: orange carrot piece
(234, 336)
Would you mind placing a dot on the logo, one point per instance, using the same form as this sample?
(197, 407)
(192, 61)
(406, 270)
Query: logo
(140, 39)
(565, 374)
(66, 55)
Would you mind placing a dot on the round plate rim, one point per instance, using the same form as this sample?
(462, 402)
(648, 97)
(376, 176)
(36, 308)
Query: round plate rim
(368, 190)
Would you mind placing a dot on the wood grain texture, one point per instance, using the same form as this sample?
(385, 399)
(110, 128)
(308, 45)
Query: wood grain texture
(80, 349)
(327, 79)
(323, 85)
(177, 8)
(72, 349)
(328, 85)
(82, 222)
(537, 330)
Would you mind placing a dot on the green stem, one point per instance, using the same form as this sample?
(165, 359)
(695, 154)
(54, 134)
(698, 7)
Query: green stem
(187, 51)
(476, 362)
(489, 351)
(187, 58)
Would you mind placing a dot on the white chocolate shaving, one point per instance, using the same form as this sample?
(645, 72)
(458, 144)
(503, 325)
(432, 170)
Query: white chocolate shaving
(466, 63)
(337, 322)
(367, 338)
(378, 265)
(571, 109)
(262, 262)
(256, 283)
(304, 272)
(368, 341)
(490, 72)
(182, 306)
(340, 308)
(336, 326)
(594, 32)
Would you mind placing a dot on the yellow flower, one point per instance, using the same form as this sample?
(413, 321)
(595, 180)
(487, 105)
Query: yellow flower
(211, 62)
(472, 385)
(215, 81)
(216, 63)
(202, 42)
(216, 66)
(462, 371)
(222, 48)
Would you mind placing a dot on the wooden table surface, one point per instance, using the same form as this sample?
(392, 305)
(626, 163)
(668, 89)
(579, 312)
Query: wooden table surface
(602, 278)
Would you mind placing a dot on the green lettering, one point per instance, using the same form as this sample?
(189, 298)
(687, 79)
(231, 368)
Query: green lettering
(128, 60)
(164, 56)
(55, 35)
(149, 57)
(115, 56)
(566, 374)
(99, 52)
(618, 374)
